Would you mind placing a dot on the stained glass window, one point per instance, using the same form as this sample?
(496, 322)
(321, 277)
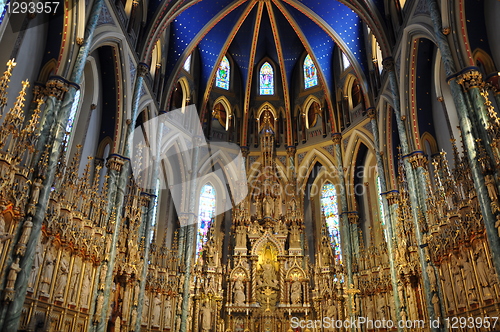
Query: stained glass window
(187, 64)
(222, 75)
(310, 74)
(266, 79)
(345, 61)
(205, 215)
(72, 116)
(330, 210)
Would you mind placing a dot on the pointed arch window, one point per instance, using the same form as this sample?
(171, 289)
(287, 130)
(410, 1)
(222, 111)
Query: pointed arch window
(266, 79)
(206, 214)
(310, 73)
(329, 207)
(222, 75)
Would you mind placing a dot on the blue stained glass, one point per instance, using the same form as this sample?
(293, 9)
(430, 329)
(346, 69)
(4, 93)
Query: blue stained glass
(330, 210)
(266, 79)
(222, 75)
(310, 73)
(205, 215)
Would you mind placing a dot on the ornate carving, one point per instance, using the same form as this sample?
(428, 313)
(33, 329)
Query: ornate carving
(142, 69)
(336, 138)
(470, 79)
(388, 64)
(56, 87)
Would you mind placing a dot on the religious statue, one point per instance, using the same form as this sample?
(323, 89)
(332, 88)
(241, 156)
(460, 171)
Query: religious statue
(278, 208)
(133, 319)
(258, 209)
(432, 276)
(168, 313)
(293, 208)
(84, 295)
(295, 237)
(381, 307)
(206, 320)
(47, 273)
(74, 280)
(268, 207)
(240, 237)
(98, 307)
(448, 290)
(239, 292)
(268, 275)
(468, 271)
(37, 185)
(145, 309)
(117, 324)
(497, 224)
(25, 235)
(155, 317)
(37, 261)
(492, 190)
(296, 292)
(12, 276)
(326, 255)
(437, 308)
(486, 276)
(62, 277)
(254, 228)
(2, 223)
(281, 229)
(459, 288)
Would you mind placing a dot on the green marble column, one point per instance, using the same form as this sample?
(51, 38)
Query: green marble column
(467, 136)
(413, 185)
(389, 218)
(117, 185)
(55, 136)
(347, 250)
(190, 232)
(149, 224)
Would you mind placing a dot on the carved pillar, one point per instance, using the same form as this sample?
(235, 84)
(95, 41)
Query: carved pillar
(412, 184)
(254, 260)
(345, 225)
(190, 231)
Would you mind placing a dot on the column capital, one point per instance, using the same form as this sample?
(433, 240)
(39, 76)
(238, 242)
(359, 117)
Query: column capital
(290, 150)
(56, 87)
(336, 138)
(470, 78)
(388, 64)
(245, 151)
(371, 112)
(115, 163)
(392, 197)
(142, 69)
(417, 159)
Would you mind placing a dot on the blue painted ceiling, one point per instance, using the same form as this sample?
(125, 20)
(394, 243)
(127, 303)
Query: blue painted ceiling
(207, 24)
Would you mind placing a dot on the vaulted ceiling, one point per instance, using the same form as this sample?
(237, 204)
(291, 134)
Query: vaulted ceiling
(249, 30)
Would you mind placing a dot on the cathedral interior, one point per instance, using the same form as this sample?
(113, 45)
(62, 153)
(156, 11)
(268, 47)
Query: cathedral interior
(249, 165)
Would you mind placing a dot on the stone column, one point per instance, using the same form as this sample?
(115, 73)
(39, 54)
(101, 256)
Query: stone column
(389, 215)
(347, 249)
(412, 185)
(149, 221)
(467, 136)
(10, 321)
(117, 186)
(190, 231)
